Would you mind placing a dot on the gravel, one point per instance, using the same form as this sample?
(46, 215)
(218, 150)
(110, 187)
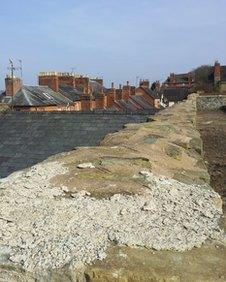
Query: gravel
(41, 227)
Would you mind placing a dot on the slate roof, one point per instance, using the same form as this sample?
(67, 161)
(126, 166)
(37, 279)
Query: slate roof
(71, 93)
(140, 100)
(152, 93)
(39, 96)
(128, 105)
(136, 104)
(5, 99)
(28, 138)
(175, 94)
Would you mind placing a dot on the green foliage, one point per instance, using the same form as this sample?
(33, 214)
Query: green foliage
(204, 79)
(216, 88)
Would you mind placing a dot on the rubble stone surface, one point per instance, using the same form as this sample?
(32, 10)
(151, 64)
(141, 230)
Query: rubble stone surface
(42, 228)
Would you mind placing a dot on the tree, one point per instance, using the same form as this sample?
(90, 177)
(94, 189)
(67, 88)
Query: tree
(204, 78)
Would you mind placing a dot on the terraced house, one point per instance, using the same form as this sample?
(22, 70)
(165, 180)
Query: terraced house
(59, 91)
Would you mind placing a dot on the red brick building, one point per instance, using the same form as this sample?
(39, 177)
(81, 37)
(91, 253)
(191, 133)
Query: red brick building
(180, 80)
(59, 91)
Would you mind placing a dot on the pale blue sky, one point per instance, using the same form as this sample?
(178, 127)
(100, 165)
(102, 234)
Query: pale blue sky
(118, 40)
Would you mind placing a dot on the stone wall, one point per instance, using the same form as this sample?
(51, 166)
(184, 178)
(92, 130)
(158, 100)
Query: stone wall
(77, 216)
(210, 102)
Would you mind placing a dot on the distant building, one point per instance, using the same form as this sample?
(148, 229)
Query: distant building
(184, 80)
(171, 96)
(152, 96)
(59, 91)
(35, 98)
(219, 77)
(90, 92)
(93, 95)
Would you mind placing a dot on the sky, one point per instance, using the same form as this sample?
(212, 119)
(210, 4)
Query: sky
(118, 40)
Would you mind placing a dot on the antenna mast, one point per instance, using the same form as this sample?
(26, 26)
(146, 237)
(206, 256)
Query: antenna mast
(12, 68)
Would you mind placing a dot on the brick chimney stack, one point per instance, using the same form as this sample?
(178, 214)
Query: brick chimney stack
(133, 90)
(145, 83)
(49, 79)
(86, 102)
(101, 101)
(119, 93)
(126, 91)
(217, 72)
(111, 95)
(12, 85)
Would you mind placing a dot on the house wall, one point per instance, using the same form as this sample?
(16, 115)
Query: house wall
(54, 108)
(157, 103)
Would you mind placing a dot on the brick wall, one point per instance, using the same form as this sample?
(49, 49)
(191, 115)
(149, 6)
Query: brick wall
(52, 108)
